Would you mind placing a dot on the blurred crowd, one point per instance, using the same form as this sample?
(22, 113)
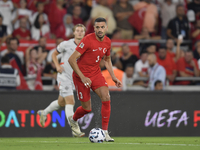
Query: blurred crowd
(175, 21)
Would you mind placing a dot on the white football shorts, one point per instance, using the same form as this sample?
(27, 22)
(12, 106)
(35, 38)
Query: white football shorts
(65, 85)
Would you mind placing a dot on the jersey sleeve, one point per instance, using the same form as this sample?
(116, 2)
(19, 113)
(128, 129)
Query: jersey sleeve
(83, 45)
(109, 49)
(61, 47)
(108, 52)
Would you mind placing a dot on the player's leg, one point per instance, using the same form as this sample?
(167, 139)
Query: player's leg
(83, 95)
(68, 94)
(69, 106)
(55, 105)
(82, 110)
(69, 112)
(104, 95)
(100, 87)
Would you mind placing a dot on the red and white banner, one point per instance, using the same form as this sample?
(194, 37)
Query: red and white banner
(116, 45)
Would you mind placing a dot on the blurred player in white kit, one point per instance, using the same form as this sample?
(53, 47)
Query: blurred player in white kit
(64, 78)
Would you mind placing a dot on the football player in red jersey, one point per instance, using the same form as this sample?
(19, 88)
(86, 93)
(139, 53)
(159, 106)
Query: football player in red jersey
(87, 74)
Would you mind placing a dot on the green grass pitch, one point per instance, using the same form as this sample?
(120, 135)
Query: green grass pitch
(121, 143)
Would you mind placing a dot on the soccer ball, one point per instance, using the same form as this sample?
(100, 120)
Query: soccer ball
(97, 135)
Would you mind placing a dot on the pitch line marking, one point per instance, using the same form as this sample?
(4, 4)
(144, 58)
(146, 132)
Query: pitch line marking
(167, 144)
(163, 144)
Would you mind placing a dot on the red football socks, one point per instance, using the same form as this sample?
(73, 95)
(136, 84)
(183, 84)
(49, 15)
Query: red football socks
(80, 112)
(105, 114)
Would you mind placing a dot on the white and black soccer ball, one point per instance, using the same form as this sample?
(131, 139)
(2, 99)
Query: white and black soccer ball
(97, 135)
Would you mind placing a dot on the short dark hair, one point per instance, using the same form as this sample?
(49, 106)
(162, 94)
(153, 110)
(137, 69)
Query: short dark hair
(33, 49)
(179, 5)
(143, 52)
(100, 19)
(13, 38)
(162, 47)
(189, 51)
(129, 65)
(157, 82)
(5, 60)
(38, 3)
(150, 44)
(169, 39)
(77, 5)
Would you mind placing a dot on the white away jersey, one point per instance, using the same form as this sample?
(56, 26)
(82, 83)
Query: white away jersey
(66, 48)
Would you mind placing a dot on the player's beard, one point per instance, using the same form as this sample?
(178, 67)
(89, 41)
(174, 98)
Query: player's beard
(100, 37)
(152, 65)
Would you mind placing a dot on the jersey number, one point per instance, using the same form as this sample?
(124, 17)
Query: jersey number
(81, 95)
(97, 59)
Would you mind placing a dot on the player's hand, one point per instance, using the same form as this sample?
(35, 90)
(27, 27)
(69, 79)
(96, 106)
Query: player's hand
(179, 41)
(117, 82)
(86, 81)
(59, 69)
(171, 78)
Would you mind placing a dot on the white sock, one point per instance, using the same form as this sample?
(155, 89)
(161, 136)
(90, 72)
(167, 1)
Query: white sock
(69, 111)
(53, 106)
(105, 131)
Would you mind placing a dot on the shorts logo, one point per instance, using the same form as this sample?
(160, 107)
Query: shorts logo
(81, 45)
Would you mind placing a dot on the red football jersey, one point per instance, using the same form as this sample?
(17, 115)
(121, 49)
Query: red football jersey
(92, 52)
(22, 34)
(183, 66)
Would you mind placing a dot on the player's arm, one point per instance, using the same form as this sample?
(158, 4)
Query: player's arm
(55, 60)
(108, 65)
(178, 49)
(72, 61)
